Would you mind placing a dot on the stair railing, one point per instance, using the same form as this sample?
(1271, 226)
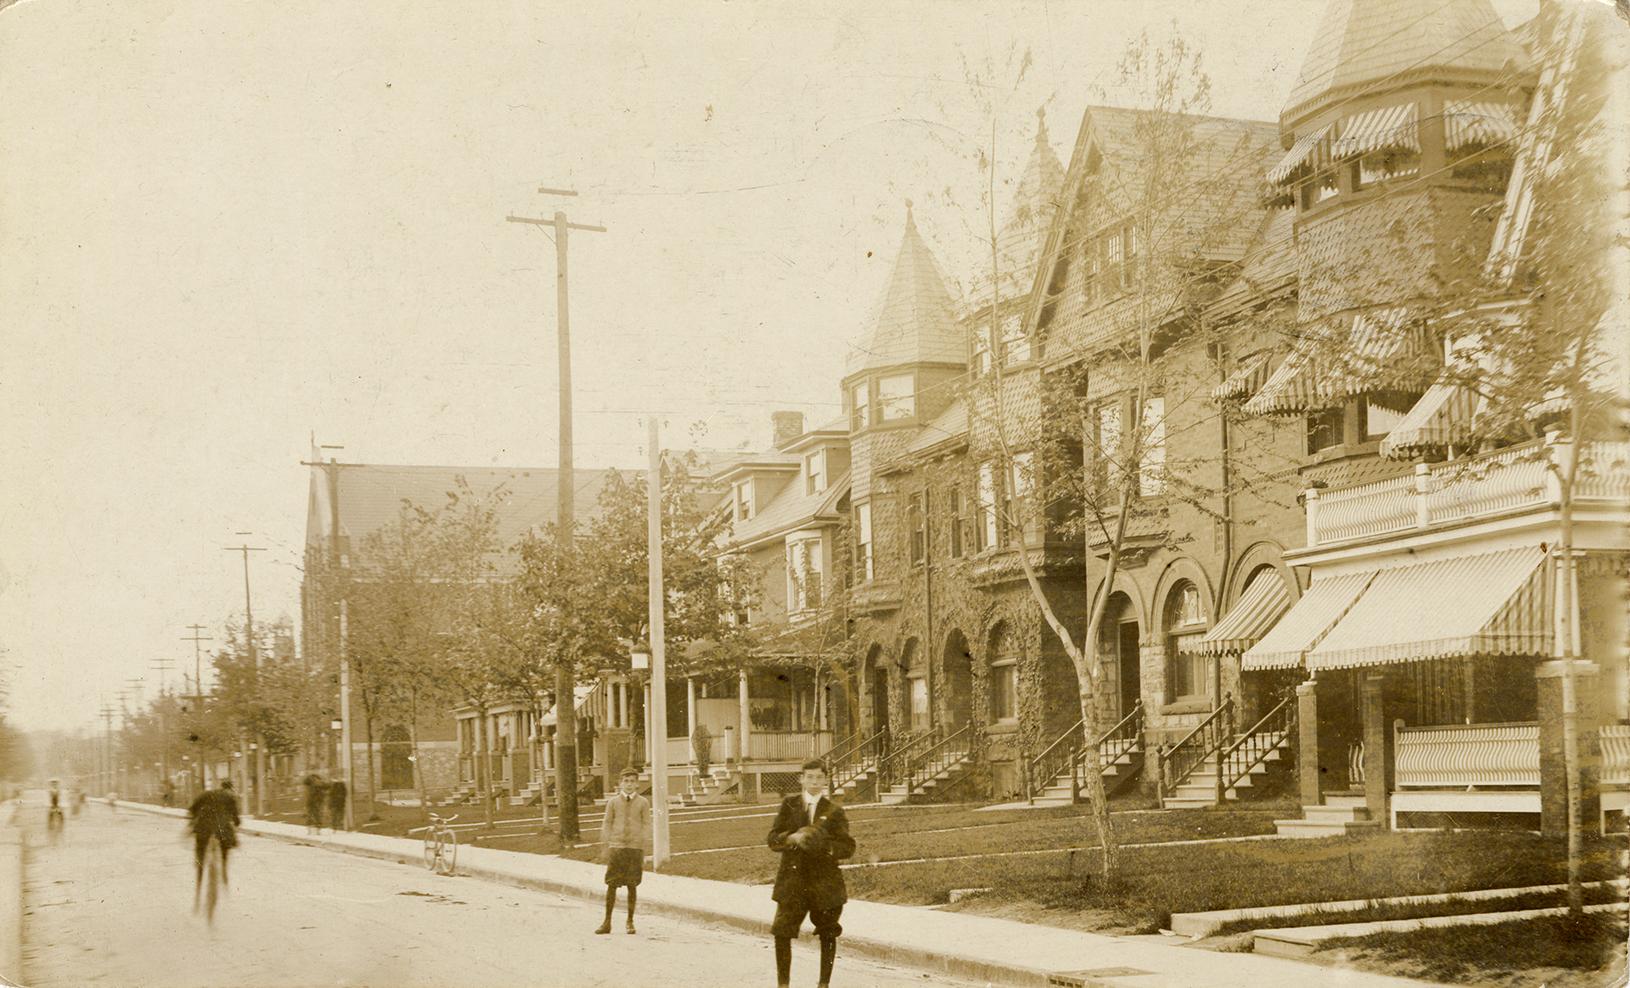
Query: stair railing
(1126, 736)
(1050, 763)
(1237, 758)
(927, 762)
(1178, 762)
(840, 751)
(861, 755)
(897, 762)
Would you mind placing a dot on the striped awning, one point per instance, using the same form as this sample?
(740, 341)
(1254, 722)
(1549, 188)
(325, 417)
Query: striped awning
(1493, 603)
(1300, 159)
(1348, 357)
(1469, 123)
(1265, 599)
(1390, 128)
(1442, 418)
(1245, 380)
(1305, 624)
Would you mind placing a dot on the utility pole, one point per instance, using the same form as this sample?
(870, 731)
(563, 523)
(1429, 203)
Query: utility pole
(254, 665)
(198, 638)
(339, 563)
(658, 731)
(565, 678)
(106, 781)
(163, 666)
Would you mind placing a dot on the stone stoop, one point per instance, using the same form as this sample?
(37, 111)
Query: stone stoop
(1338, 816)
(1116, 773)
(864, 782)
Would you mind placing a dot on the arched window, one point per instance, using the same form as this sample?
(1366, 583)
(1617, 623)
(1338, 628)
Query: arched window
(1004, 676)
(1189, 670)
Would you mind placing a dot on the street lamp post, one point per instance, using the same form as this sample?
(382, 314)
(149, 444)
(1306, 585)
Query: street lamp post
(659, 682)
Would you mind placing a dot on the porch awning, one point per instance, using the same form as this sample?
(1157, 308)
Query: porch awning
(1443, 417)
(1307, 622)
(580, 693)
(1299, 159)
(1265, 599)
(1246, 380)
(1390, 128)
(1470, 123)
(1488, 604)
(1346, 357)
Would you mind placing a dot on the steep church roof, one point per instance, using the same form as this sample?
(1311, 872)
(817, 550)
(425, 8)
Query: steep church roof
(1362, 42)
(915, 321)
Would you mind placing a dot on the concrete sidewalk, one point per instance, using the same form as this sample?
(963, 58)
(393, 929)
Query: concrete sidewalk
(961, 945)
(11, 897)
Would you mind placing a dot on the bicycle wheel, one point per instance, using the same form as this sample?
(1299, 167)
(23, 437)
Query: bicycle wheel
(449, 852)
(212, 877)
(432, 850)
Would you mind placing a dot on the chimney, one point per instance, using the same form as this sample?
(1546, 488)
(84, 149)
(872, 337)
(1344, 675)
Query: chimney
(785, 427)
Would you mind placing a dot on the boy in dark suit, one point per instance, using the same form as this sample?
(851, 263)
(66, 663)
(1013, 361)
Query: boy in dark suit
(811, 834)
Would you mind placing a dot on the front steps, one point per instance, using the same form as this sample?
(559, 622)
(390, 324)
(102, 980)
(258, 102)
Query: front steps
(1116, 772)
(1199, 790)
(930, 780)
(1340, 815)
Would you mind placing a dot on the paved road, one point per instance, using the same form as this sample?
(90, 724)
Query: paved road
(111, 905)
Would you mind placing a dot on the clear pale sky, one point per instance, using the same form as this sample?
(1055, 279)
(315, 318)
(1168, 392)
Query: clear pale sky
(225, 227)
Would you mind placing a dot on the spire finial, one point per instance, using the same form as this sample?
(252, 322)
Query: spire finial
(1041, 125)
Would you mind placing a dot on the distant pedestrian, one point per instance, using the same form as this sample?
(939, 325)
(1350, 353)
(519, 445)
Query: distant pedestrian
(213, 814)
(625, 829)
(168, 793)
(336, 805)
(811, 834)
(316, 795)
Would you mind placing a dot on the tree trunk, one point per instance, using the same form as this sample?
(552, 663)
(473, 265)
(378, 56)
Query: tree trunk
(368, 744)
(413, 740)
(1570, 690)
(485, 774)
(1093, 768)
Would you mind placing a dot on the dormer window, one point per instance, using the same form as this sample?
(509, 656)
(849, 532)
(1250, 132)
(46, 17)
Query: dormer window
(815, 472)
(744, 500)
(860, 406)
(1319, 187)
(897, 397)
(1379, 166)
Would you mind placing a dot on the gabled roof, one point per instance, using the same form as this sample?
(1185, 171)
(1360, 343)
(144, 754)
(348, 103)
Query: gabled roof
(1360, 43)
(790, 510)
(770, 461)
(1023, 232)
(371, 495)
(915, 320)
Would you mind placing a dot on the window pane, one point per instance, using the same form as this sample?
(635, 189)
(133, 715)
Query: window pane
(1109, 442)
(1015, 344)
(1152, 474)
(864, 515)
(919, 704)
(896, 397)
(954, 513)
(815, 472)
(987, 506)
(858, 396)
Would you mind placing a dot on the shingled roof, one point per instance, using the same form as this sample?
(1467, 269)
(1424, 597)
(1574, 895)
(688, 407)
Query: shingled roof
(1361, 42)
(1029, 215)
(915, 319)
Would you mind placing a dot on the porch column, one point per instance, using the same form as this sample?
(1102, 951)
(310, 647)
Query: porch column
(622, 696)
(1377, 746)
(1553, 779)
(746, 728)
(821, 714)
(1307, 744)
(690, 715)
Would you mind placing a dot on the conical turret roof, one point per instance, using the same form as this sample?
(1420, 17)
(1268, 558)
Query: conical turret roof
(1023, 233)
(915, 321)
(1362, 42)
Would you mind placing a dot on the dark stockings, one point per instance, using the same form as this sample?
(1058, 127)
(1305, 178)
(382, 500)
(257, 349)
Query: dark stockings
(829, 953)
(611, 902)
(783, 960)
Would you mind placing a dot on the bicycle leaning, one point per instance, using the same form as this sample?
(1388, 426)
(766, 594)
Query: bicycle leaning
(440, 844)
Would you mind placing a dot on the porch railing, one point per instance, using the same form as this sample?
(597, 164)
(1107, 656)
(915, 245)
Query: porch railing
(1615, 739)
(934, 758)
(1126, 736)
(1355, 764)
(786, 746)
(1051, 761)
(1457, 490)
(1237, 758)
(1457, 756)
(1178, 762)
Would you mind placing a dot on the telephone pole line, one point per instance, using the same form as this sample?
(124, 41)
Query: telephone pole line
(198, 638)
(163, 666)
(565, 679)
(339, 562)
(254, 666)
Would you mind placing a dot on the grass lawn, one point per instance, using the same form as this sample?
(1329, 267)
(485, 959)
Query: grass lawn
(1156, 882)
(1451, 907)
(1559, 952)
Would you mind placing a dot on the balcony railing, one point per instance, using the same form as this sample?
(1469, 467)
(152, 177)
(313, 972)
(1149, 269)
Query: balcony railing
(1461, 490)
(1455, 757)
(787, 746)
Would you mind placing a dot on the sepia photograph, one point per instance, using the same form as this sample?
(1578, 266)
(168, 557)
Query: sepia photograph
(878, 493)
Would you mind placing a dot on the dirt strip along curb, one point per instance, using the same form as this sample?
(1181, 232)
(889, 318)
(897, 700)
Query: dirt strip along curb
(854, 945)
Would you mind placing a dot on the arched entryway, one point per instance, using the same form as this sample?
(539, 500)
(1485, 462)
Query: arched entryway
(1119, 650)
(877, 685)
(957, 668)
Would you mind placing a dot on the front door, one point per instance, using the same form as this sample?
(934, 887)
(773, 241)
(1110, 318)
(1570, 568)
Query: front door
(1126, 658)
(880, 699)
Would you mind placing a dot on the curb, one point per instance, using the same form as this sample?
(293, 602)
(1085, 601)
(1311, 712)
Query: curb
(11, 904)
(854, 945)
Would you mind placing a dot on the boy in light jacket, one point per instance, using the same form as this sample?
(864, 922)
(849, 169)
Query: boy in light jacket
(626, 828)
